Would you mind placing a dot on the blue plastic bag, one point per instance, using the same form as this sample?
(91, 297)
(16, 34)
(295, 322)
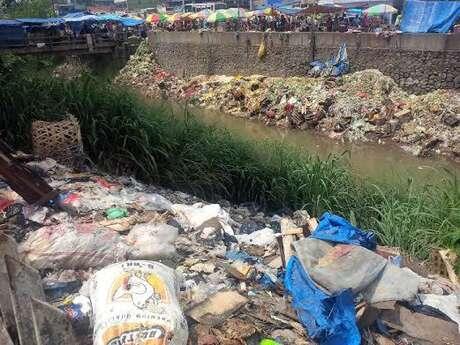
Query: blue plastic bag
(334, 228)
(328, 319)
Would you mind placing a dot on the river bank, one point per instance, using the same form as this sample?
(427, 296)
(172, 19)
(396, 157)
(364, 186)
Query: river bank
(375, 162)
(365, 106)
(123, 136)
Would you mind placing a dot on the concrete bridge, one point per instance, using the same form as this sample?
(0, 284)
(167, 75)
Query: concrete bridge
(89, 44)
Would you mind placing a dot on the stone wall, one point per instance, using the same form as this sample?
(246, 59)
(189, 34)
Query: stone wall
(418, 62)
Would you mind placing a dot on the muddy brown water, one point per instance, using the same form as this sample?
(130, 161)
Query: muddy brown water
(380, 162)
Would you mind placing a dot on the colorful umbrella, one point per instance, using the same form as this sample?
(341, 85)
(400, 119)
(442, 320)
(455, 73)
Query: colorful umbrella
(378, 10)
(236, 12)
(203, 14)
(153, 18)
(261, 13)
(256, 13)
(219, 16)
(269, 11)
(163, 17)
(175, 17)
(187, 15)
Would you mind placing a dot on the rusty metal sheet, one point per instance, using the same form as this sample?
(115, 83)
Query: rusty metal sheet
(7, 247)
(50, 324)
(25, 282)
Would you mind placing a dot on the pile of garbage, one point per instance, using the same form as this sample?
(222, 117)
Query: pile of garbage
(142, 72)
(362, 106)
(135, 263)
(71, 69)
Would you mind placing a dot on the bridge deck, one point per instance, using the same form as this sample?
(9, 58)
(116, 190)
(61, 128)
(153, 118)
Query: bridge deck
(89, 45)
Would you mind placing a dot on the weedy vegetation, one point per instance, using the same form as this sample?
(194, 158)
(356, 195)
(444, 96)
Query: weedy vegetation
(123, 135)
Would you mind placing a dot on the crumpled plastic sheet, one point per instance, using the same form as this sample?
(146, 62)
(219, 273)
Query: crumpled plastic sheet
(336, 229)
(328, 319)
(336, 66)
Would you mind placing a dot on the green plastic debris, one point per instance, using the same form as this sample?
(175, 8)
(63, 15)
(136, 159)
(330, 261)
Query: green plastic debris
(269, 342)
(116, 212)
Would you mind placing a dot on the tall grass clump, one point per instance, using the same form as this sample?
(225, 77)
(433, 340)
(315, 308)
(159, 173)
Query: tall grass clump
(123, 135)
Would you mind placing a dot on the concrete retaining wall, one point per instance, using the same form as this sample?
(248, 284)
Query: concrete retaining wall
(418, 62)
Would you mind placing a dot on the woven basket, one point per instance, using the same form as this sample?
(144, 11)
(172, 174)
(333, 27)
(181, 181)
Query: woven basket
(60, 140)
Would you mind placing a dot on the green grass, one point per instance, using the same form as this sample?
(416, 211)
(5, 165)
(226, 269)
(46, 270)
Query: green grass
(121, 134)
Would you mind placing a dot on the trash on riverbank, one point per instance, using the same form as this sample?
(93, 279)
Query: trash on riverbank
(226, 261)
(334, 67)
(361, 106)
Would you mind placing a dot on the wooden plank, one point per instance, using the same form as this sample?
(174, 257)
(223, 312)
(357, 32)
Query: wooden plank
(420, 326)
(31, 187)
(7, 247)
(25, 282)
(5, 338)
(51, 325)
(287, 229)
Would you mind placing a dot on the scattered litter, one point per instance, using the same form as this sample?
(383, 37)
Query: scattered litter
(199, 216)
(446, 304)
(151, 241)
(73, 246)
(116, 212)
(217, 308)
(264, 237)
(234, 266)
(422, 327)
(334, 67)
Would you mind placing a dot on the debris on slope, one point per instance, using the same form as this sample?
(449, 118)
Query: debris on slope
(244, 277)
(362, 106)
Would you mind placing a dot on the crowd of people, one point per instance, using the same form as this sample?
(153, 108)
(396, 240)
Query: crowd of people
(67, 32)
(328, 22)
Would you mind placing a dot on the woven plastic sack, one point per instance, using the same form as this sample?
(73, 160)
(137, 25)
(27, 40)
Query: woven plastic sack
(60, 140)
(135, 302)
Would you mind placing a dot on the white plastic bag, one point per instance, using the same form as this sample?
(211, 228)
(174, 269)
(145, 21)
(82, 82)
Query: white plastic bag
(199, 216)
(263, 237)
(73, 246)
(150, 241)
(135, 302)
(81, 246)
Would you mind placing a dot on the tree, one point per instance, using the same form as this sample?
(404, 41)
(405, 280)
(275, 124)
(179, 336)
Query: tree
(26, 8)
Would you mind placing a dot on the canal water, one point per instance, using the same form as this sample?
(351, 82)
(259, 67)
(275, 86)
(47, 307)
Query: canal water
(382, 162)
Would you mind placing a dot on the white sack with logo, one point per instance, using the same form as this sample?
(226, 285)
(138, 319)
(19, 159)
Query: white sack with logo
(135, 302)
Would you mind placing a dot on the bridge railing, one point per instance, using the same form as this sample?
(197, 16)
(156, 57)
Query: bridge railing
(40, 40)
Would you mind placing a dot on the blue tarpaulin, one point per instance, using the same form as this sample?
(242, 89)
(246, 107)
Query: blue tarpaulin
(9, 22)
(80, 17)
(127, 21)
(335, 67)
(328, 319)
(336, 229)
(41, 21)
(11, 32)
(75, 14)
(429, 16)
(290, 10)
